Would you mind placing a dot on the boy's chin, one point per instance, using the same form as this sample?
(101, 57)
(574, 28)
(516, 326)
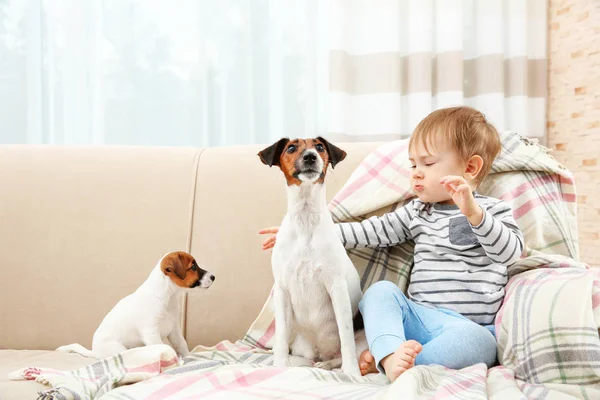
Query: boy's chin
(426, 198)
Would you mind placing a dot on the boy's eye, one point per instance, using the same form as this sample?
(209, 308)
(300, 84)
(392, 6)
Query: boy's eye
(413, 166)
(429, 165)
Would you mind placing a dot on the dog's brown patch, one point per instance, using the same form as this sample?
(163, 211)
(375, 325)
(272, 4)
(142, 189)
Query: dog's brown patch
(181, 268)
(323, 154)
(287, 160)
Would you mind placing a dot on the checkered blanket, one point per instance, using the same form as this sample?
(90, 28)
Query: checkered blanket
(93, 381)
(547, 328)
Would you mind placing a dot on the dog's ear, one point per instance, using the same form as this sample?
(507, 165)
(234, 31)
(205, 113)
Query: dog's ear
(336, 154)
(270, 155)
(172, 265)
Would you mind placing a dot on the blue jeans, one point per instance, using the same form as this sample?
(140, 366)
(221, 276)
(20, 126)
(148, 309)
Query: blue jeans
(448, 338)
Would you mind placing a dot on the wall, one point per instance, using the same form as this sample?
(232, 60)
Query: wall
(574, 108)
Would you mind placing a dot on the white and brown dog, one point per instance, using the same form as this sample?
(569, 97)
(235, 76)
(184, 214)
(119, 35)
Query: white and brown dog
(317, 288)
(152, 313)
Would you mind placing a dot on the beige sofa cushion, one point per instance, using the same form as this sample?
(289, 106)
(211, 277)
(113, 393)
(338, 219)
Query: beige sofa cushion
(236, 196)
(12, 360)
(82, 228)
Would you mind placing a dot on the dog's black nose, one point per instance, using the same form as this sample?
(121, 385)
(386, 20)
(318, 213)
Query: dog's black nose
(309, 158)
(212, 278)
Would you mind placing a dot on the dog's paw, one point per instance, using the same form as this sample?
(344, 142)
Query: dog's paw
(184, 353)
(352, 370)
(298, 361)
(326, 365)
(282, 362)
(329, 364)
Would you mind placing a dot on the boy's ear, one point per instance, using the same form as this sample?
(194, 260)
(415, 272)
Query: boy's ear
(473, 167)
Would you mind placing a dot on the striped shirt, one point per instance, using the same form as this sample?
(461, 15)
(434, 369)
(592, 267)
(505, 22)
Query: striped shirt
(457, 266)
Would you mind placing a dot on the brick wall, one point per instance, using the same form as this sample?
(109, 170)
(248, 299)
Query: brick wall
(574, 108)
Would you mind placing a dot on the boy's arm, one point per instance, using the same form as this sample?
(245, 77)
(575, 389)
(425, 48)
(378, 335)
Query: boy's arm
(388, 230)
(500, 235)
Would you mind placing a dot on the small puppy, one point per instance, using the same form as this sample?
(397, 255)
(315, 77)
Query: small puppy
(317, 288)
(152, 313)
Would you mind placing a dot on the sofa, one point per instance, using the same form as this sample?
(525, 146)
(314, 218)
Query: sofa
(82, 227)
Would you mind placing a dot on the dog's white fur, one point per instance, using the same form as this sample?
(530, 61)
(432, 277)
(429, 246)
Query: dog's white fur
(317, 288)
(148, 316)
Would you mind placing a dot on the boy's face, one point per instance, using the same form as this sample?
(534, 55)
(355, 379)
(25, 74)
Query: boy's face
(431, 166)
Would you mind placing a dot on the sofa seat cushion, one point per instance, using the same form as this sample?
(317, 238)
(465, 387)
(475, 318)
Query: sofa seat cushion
(11, 360)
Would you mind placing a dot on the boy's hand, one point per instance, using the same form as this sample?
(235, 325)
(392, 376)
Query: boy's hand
(462, 196)
(270, 242)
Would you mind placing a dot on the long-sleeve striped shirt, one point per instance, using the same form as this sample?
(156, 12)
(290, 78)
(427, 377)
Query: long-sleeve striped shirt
(457, 266)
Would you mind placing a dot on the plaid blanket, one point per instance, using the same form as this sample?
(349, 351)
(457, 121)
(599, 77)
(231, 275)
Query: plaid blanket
(92, 381)
(547, 327)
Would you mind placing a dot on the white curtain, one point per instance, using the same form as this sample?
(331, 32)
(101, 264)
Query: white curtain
(156, 72)
(228, 72)
(392, 62)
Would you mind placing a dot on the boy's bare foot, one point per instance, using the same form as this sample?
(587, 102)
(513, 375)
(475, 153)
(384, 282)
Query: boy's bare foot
(366, 363)
(401, 360)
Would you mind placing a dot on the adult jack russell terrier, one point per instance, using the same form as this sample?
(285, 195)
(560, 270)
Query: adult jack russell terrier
(317, 288)
(151, 313)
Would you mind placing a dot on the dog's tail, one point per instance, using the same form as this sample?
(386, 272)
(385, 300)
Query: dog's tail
(77, 348)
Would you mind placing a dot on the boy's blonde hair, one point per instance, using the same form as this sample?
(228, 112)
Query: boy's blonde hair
(465, 130)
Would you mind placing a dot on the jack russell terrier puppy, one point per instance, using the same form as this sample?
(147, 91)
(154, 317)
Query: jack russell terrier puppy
(317, 288)
(151, 314)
